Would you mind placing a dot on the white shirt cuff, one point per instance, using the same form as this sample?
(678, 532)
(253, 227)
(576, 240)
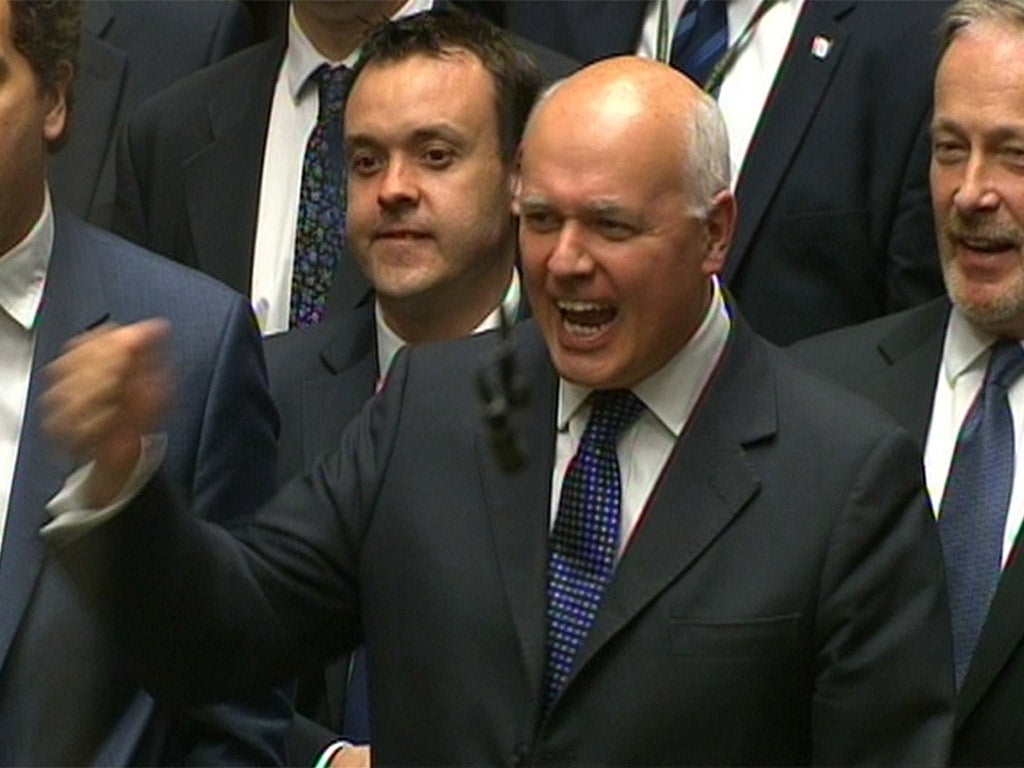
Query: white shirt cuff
(71, 518)
(329, 752)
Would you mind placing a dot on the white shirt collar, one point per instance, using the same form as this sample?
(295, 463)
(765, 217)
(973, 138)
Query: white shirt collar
(965, 346)
(302, 59)
(23, 270)
(389, 342)
(671, 392)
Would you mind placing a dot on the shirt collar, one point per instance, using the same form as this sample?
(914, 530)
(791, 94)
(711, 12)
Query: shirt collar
(965, 346)
(389, 342)
(23, 270)
(671, 392)
(302, 59)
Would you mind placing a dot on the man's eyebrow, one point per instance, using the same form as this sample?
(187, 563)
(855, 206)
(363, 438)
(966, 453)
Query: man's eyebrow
(534, 200)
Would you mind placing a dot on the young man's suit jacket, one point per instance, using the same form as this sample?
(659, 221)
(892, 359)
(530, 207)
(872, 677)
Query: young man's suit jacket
(895, 362)
(782, 600)
(66, 696)
(835, 223)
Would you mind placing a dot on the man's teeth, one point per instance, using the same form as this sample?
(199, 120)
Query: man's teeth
(585, 318)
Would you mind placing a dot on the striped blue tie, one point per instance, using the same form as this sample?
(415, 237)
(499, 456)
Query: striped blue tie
(701, 38)
(972, 515)
(585, 537)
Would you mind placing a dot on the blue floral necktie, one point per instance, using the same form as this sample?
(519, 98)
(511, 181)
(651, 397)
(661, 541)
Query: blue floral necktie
(585, 537)
(972, 515)
(320, 231)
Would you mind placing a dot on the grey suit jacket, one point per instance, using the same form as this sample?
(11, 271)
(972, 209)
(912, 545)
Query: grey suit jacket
(66, 696)
(894, 361)
(130, 51)
(781, 602)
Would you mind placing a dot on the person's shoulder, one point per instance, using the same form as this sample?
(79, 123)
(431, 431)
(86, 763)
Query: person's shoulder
(180, 103)
(132, 271)
(856, 347)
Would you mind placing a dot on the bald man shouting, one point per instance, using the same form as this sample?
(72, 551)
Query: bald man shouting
(694, 566)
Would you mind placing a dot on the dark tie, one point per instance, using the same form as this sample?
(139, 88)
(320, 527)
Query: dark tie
(972, 516)
(320, 231)
(701, 38)
(585, 537)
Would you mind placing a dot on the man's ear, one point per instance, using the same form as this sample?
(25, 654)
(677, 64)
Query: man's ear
(720, 222)
(57, 96)
(517, 180)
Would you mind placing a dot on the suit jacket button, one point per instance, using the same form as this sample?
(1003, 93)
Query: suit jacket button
(520, 754)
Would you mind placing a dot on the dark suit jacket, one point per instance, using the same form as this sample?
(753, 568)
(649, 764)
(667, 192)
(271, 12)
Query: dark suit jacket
(895, 362)
(835, 224)
(66, 697)
(320, 378)
(781, 602)
(190, 164)
(131, 50)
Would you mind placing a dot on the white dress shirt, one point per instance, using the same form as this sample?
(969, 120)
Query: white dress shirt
(670, 395)
(965, 356)
(389, 342)
(293, 113)
(22, 279)
(747, 84)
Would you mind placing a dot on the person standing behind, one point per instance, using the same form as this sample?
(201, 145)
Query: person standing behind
(131, 50)
(66, 696)
(949, 370)
(266, 125)
(436, 110)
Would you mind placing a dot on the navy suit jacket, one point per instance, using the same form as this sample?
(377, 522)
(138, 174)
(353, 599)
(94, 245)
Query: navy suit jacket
(190, 164)
(835, 224)
(895, 362)
(131, 50)
(320, 378)
(781, 602)
(66, 697)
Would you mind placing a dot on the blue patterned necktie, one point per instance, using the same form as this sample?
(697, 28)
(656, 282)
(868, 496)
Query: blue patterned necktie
(585, 537)
(972, 516)
(701, 38)
(320, 231)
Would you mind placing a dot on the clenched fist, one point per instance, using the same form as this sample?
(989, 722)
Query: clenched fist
(109, 388)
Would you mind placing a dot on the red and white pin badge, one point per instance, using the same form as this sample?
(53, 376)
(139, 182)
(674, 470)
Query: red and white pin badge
(820, 46)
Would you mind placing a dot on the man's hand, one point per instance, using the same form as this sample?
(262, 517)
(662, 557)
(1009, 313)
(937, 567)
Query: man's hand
(355, 756)
(110, 388)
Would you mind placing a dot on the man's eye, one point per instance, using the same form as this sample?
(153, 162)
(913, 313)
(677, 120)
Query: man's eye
(540, 221)
(364, 164)
(612, 229)
(438, 157)
(948, 151)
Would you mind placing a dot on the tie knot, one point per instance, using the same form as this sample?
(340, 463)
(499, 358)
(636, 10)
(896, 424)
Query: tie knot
(613, 410)
(1005, 364)
(332, 85)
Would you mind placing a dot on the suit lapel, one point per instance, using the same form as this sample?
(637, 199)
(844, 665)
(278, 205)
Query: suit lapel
(1000, 636)
(72, 302)
(798, 90)
(222, 221)
(913, 354)
(518, 503)
(331, 401)
(706, 483)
